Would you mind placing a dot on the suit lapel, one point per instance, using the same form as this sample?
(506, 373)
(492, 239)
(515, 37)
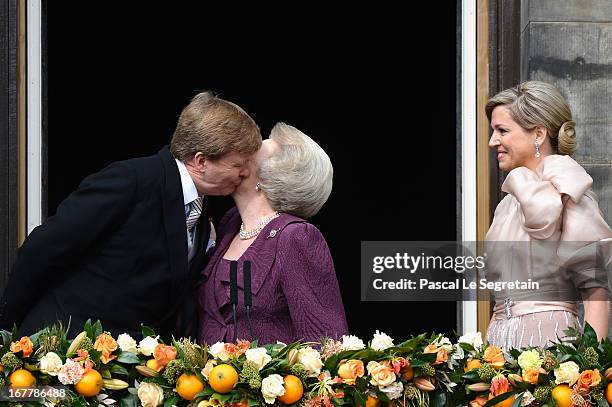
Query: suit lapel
(174, 219)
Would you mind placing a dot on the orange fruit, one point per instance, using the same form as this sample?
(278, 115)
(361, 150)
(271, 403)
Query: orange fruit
(188, 385)
(471, 364)
(407, 372)
(153, 364)
(90, 384)
(223, 378)
(22, 378)
(243, 403)
(372, 402)
(608, 393)
(562, 394)
(294, 389)
(506, 403)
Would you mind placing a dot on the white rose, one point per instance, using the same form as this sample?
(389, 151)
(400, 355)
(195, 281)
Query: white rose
(272, 387)
(50, 364)
(147, 345)
(444, 342)
(381, 341)
(351, 342)
(218, 351)
(394, 391)
(127, 343)
(208, 368)
(567, 372)
(259, 356)
(311, 360)
(150, 395)
(472, 338)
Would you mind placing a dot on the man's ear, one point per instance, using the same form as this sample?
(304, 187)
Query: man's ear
(199, 161)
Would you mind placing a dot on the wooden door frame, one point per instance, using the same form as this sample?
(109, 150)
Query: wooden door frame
(497, 68)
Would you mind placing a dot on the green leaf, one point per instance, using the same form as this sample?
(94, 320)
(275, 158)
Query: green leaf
(171, 401)
(223, 398)
(467, 347)
(97, 329)
(106, 374)
(590, 337)
(471, 375)
(128, 357)
(424, 359)
(146, 331)
(517, 402)
(6, 340)
(91, 334)
(130, 400)
(118, 369)
(499, 398)
(438, 399)
(411, 344)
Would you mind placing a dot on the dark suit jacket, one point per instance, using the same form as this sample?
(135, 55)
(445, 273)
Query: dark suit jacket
(116, 250)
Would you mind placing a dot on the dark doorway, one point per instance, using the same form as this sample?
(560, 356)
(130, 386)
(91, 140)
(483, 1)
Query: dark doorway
(376, 88)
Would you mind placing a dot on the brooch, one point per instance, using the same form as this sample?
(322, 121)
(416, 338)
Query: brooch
(273, 233)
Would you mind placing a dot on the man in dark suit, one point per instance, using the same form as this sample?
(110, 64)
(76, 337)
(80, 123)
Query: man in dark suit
(127, 247)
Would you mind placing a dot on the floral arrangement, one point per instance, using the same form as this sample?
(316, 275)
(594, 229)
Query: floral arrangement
(577, 373)
(97, 369)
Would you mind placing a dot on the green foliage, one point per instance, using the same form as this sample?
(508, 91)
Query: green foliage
(10, 361)
(173, 370)
(486, 372)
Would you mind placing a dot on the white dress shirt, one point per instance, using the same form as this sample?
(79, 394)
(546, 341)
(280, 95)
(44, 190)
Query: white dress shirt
(190, 193)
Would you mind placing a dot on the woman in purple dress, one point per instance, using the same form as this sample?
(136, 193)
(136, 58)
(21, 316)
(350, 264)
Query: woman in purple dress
(295, 293)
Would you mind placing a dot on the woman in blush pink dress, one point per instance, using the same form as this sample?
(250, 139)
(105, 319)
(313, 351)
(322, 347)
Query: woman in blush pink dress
(549, 217)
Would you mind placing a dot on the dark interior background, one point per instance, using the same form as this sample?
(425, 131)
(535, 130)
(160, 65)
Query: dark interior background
(376, 87)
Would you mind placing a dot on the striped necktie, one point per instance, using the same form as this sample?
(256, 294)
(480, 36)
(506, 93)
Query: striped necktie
(195, 209)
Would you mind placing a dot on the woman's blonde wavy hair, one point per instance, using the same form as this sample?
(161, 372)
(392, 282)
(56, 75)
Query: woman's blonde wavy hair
(536, 103)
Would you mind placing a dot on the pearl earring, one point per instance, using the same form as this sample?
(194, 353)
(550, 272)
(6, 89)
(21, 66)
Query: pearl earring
(537, 148)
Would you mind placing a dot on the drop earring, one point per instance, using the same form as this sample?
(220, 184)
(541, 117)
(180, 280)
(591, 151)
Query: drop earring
(257, 186)
(537, 148)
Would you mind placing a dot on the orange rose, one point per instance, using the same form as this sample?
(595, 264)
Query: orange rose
(382, 374)
(531, 375)
(350, 370)
(442, 355)
(494, 356)
(107, 345)
(478, 401)
(164, 354)
(431, 348)
(587, 380)
(24, 345)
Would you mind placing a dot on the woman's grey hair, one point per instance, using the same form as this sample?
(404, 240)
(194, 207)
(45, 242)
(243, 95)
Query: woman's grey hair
(297, 178)
(536, 103)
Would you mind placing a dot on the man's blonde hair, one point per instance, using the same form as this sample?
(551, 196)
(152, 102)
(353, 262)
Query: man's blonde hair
(214, 127)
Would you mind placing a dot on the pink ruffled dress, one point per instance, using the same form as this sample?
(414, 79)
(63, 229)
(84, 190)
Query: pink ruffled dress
(555, 210)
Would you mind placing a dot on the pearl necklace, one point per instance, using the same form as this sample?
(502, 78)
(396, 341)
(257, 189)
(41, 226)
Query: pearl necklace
(246, 235)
